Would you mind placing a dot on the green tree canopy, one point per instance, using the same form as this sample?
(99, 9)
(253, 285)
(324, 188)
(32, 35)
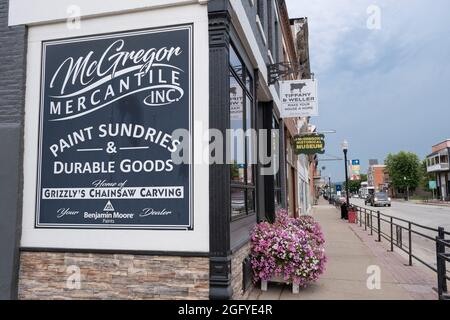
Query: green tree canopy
(404, 169)
(425, 176)
(353, 186)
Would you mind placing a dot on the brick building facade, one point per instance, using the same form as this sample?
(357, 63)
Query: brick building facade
(202, 251)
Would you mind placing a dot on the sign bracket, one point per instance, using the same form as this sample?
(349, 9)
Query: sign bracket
(280, 69)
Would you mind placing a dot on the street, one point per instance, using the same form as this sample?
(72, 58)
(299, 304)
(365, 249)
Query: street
(426, 215)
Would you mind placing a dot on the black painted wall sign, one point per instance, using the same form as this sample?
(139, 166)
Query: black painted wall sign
(109, 104)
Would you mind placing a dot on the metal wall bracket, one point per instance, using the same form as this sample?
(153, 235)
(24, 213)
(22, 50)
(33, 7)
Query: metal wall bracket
(280, 69)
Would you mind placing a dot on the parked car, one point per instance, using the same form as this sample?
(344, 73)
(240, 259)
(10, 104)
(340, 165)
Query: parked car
(378, 199)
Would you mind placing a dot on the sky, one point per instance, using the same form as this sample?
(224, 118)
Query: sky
(384, 79)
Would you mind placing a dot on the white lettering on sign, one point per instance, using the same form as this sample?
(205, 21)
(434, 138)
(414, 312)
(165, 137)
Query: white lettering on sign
(144, 70)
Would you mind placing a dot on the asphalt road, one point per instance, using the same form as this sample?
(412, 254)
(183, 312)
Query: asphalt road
(426, 215)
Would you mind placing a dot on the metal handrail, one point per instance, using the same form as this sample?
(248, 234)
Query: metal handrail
(441, 243)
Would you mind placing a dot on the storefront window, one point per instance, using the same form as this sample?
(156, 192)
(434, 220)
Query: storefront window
(237, 123)
(243, 151)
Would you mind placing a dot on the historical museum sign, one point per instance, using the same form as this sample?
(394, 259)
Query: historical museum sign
(309, 144)
(109, 104)
(299, 98)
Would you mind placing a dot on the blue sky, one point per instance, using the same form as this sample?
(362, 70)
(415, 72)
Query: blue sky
(384, 90)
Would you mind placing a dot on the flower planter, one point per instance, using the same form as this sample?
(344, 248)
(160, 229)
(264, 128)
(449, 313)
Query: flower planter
(292, 248)
(278, 279)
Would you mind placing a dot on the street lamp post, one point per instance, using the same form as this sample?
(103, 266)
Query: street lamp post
(345, 149)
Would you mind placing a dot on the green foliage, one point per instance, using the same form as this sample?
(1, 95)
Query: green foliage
(426, 177)
(353, 185)
(404, 169)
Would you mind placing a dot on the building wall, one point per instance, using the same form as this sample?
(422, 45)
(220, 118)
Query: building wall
(195, 240)
(137, 264)
(237, 276)
(12, 93)
(376, 176)
(170, 264)
(379, 177)
(440, 146)
(47, 275)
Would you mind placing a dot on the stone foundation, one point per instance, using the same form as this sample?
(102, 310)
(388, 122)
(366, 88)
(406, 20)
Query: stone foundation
(48, 275)
(237, 272)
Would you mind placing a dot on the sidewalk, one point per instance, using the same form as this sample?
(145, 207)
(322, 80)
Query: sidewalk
(350, 252)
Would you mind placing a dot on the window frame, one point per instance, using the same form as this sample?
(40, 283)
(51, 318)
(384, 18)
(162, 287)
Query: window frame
(248, 94)
(276, 176)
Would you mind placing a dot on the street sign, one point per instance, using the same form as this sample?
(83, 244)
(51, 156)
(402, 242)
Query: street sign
(355, 169)
(309, 144)
(338, 187)
(432, 185)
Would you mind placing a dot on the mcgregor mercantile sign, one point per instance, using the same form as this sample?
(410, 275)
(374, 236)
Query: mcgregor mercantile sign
(109, 104)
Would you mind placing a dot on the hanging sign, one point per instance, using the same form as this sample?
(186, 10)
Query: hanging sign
(299, 98)
(109, 105)
(309, 144)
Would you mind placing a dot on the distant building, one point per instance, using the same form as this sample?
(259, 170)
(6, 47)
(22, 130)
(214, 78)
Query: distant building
(377, 177)
(438, 163)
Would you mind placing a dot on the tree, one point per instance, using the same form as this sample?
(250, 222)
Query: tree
(426, 177)
(404, 170)
(355, 185)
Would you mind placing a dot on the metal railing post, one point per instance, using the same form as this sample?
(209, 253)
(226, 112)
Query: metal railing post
(365, 220)
(379, 226)
(392, 236)
(440, 279)
(409, 244)
(360, 217)
(441, 267)
(371, 223)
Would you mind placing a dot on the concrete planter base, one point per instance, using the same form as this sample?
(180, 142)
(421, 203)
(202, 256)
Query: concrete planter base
(295, 287)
